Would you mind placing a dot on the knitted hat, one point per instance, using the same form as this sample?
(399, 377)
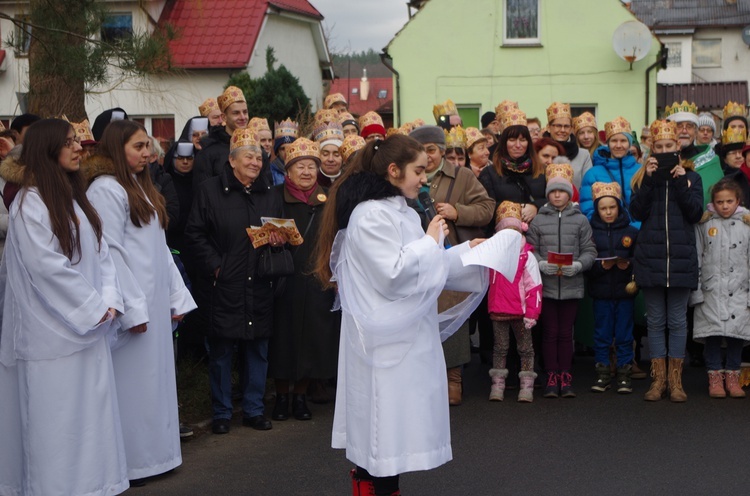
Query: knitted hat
(586, 119)
(706, 119)
(334, 98)
(661, 130)
(371, 123)
(455, 138)
(243, 137)
(429, 134)
(302, 148)
(207, 106)
(351, 144)
(281, 141)
(487, 119)
(559, 177)
(600, 190)
(682, 112)
(617, 126)
(231, 95)
(558, 110)
(508, 215)
(328, 134)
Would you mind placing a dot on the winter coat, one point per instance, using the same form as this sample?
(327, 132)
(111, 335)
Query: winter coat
(164, 185)
(213, 156)
(565, 231)
(668, 209)
(617, 239)
(707, 164)
(723, 296)
(277, 171)
(512, 186)
(239, 303)
(741, 179)
(523, 296)
(608, 170)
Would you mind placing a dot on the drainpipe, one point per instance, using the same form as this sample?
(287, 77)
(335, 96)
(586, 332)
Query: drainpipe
(384, 58)
(660, 61)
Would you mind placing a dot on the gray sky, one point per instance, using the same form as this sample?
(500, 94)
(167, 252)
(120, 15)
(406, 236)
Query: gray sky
(361, 24)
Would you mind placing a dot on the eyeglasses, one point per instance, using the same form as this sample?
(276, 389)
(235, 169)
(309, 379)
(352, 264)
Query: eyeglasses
(69, 142)
(534, 130)
(685, 125)
(562, 127)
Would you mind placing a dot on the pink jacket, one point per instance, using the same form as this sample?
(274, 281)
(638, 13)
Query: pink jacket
(523, 296)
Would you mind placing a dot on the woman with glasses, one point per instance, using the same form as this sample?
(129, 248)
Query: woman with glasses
(560, 124)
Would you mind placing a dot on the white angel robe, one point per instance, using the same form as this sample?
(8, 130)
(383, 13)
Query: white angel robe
(153, 291)
(59, 418)
(392, 398)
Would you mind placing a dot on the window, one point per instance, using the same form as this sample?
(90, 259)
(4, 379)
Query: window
(469, 115)
(382, 94)
(578, 109)
(674, 58)
(355, 91)
(117, 27)
(22, 36)
(521, 22)
(706, 53)
(158, 127)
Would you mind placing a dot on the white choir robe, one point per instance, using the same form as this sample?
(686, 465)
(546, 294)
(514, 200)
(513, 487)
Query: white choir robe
(391, 410)
(59, 418)
(153, 291)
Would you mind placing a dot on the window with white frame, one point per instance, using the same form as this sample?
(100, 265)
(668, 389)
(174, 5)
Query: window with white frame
(117, 26)
(521, 22)
(674, 57)
(706, 53)
(22, 35)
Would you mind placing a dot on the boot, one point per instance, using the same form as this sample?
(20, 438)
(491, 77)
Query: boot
(566, 385)
(526, 391)
(733, 384)
(716, 384)
(676, 393)
(361, 487)
(497, 392)
(454, 386)
(281, 408)
(658, 380)
(624, 385)
(299, 407)
(603, 378)
(636, 372)
(552, 389)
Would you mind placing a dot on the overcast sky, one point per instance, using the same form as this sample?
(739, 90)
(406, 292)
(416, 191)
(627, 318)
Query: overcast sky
(361, 24)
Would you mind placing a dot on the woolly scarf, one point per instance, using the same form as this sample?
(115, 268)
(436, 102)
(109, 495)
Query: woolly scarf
(303, 196)
(520, 166)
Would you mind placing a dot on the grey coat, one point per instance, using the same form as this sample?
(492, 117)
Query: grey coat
(566, 231)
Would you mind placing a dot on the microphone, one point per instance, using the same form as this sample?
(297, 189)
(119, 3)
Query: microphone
(430, 212)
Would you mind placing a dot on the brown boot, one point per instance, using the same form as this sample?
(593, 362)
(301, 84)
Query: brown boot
(676, 393)
(454, 386)
(658, 380)
(636, 372)
(732, 379)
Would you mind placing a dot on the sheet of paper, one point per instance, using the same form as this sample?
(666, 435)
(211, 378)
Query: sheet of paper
(500, 252)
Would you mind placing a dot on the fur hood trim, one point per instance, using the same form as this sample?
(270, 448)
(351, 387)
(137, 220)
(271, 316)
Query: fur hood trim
(95, 166)
(12, 170)
(358, 188)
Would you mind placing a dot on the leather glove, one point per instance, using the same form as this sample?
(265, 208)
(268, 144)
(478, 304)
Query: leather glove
(571, 270)
(547, 268)
(528, 323)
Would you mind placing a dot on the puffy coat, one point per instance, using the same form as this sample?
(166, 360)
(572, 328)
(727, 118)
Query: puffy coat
(523, 296)
(617, 239)
(565, 231)
(608, 170)
(239, 303)
(668, 209)
(723, 296)
(512, 186)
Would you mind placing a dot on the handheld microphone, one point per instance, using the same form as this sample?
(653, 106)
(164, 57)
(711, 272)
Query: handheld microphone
(429, 209)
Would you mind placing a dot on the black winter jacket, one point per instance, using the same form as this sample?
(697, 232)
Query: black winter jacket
(665, 255)
(617, 239)
(512, 186)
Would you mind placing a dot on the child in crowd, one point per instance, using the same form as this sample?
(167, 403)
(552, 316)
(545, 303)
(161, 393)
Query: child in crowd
(721, 312)
(609, 281)
(560, 229)
(514, 305)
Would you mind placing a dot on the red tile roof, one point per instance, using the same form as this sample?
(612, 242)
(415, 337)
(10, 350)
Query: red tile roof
(221, 34)
(358, 106)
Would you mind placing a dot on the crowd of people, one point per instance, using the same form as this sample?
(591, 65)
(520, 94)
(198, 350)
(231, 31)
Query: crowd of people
(112, 243)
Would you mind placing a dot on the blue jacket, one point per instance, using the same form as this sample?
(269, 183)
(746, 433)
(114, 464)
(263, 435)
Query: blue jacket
(277, 171)
(608, 170)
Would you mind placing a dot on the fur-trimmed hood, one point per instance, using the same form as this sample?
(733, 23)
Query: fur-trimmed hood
(95, 166)
(357, 188)
(11, 169)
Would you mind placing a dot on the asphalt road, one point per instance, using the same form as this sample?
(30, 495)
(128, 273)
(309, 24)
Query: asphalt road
(593, 444)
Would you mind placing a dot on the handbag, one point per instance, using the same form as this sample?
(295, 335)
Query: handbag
(275, 262)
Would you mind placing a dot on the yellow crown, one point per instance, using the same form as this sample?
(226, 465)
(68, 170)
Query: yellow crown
(369, 119)
(258, 124)
(618, 125)
(351, 144)
(395, 130)
(504, 107)
(586, 119)
(447, 108)
(685, 106)
(231, 95)
(417, 123)
(208, 106)
(286, 128)
(661, 130)
(302, 148)
(599, 190)
(733, 109)
(455, 138)
(346, 116)
(334, 98)
(324, 116)
(557, 111)
(83, 131)
(508, 209)
(243, 137)
(513, 117)
(330, 131)
(564, 171)
(733, 135)
(473, 135)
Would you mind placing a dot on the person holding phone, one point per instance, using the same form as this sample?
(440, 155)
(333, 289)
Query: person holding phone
(668, 200)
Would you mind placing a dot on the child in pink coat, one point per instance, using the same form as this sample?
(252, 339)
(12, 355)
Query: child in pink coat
(514, 305)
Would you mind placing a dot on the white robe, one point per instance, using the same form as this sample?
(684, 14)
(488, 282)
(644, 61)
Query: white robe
(59, 418)
(392, 399)
(153, 291)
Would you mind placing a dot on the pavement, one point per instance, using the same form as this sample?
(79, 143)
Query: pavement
(593, 444)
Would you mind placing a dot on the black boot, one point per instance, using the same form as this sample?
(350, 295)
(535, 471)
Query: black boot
(299, 407)
(281, 408)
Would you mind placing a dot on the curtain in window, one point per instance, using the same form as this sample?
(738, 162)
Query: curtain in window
(521, 19)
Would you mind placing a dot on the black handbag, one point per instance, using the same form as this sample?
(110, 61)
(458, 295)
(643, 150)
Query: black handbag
(275, 262)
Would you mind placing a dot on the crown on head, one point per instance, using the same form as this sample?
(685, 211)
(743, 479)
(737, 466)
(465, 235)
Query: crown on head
(508, 209)
(243, 137)
(455, 138)
(557, 111)
(685, 106)
(733, 109)
(330, 131)
(473, 135)
(446, 108)
(417, 123)
(733, 135)
(231, 95)
(586, 119)
(618, 125)
(286, 128)
(334, 98)
(564, 171)
(347, 117)
(258, 124)
(302, 148)
(369, 119)
(600, 189)
(83, 131)
(663, 129)
(324, 116)
(503, 108)
(351, 144)
(208, 106)
(513, 117)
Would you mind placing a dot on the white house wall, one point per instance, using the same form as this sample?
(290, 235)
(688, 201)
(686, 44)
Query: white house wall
(683, 73)
(734, 56)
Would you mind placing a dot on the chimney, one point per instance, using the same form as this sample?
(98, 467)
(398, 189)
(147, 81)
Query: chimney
(364, 86)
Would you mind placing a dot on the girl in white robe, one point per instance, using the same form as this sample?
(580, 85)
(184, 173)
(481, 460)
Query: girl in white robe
(59, 418)
(391, 411)
(134, 217)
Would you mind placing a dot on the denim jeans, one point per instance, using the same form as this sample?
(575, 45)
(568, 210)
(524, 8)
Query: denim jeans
(666, 308)
(613, 320)
(712, 353)
(254, 364)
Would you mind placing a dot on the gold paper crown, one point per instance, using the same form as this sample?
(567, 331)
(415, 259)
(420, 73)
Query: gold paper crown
(83, 131)
(207, 106)
(685, 106)
(369, 119)
(504, 107)
(231, 95)
(455, 138)
(258, 124)
(557, 111)
(302, 148)
(243, 137)
(513, 117)
(733, 135)
(286, 128)
(351, 144)
(330, 131)
(324, 116)
(346, 116)
(473, 135)
(394, 130)
(586, 119)
(618, 125)
(446, 108)
(733, 109)
(508, 209)
(564, 171)
(599, 190)
(661, 130)
(334, 98)
(417, 123)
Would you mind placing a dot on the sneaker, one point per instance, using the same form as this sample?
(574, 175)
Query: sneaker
(603, 379)
(624, 385)
(185, 431)
(566, 385)
(552, 389)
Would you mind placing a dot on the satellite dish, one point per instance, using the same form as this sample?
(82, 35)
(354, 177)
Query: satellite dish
(632, 41)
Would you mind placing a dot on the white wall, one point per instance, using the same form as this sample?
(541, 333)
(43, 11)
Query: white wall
(735, 56)
(683, 73)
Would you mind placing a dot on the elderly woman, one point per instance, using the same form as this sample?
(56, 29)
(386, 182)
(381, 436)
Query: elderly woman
(238, 299)
(477, 151)
(304, 344)
(560, 124)
(329, 137)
